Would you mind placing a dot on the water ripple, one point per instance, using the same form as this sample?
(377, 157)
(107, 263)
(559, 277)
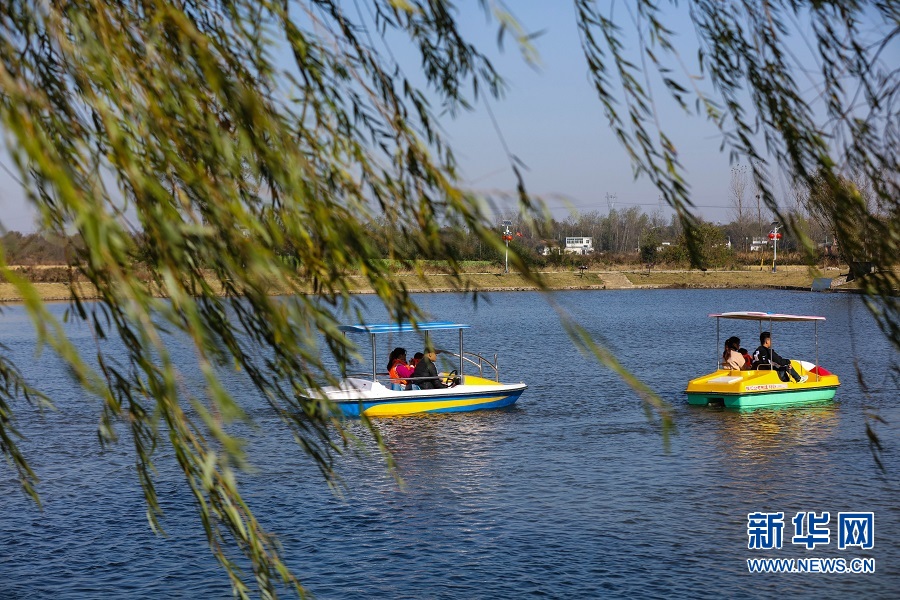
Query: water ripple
(571, 493)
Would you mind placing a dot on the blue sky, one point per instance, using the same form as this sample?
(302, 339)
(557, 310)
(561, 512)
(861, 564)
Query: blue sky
(552, 121)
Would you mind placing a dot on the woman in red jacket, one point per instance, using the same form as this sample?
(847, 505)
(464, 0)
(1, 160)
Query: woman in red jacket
(398, 369)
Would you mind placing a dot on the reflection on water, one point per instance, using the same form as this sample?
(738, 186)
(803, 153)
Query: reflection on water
(785, 426)
(571, 493)
(763, 435)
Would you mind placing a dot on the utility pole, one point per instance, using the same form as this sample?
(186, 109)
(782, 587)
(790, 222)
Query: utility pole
(774, 235)
(758, 213)
(507, 236)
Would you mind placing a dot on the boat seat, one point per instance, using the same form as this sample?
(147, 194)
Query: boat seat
(397, 387)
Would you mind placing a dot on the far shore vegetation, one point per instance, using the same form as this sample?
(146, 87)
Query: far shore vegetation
(50, 263)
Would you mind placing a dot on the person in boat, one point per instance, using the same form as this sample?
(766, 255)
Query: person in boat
(732, 358)
(748, 360)
(765, 358)
(425, 374)
(415, 359)
(398, 369)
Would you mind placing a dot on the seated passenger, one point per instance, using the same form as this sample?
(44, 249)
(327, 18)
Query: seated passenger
(748, 360)
(398, 370)
(425, 374)
(731, 358)
(765, 358)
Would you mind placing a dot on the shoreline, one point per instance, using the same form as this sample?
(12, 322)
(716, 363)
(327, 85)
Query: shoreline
(790, 277)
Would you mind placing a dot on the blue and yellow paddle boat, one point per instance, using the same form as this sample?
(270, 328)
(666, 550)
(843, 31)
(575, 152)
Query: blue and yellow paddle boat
(754, 388)
(373, 394)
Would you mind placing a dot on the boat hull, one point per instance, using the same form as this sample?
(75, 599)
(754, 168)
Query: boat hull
(751, 389)
(393, 407)
(763, 399)
(355, 398)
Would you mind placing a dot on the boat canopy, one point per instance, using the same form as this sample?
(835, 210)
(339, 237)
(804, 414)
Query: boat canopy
(379, 328)
(762, 316)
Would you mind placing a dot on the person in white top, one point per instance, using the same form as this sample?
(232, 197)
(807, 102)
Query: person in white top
(732, 358)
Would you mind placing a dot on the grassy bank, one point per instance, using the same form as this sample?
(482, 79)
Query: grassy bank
(799, 277)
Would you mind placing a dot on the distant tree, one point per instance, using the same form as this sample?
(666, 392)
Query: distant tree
(42, 248)
(738, 189)
(649, 248)
(841, 212)
(11, 243)
(740, 210)
(675, 254)
(713, 249)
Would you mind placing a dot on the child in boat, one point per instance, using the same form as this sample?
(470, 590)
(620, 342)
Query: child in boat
(765, 358)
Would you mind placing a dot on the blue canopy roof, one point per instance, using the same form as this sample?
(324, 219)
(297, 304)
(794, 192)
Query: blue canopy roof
(378, 328)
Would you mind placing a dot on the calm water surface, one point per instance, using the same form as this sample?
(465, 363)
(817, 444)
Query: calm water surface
(573, 493)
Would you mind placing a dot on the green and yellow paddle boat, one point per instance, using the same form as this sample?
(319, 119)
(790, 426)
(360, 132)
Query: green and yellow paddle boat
(751, 388)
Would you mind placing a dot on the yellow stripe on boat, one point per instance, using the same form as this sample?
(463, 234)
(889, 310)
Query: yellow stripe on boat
(408, 408)
(475, 380)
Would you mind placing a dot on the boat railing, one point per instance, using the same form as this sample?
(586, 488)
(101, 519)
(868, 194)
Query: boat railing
(382, 376)
(479, 362)
(388, 381)
(472, 358)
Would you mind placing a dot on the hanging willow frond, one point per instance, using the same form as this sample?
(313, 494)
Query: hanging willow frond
(820, 120)
(190, 144)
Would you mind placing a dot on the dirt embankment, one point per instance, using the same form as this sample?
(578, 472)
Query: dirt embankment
(54, 282)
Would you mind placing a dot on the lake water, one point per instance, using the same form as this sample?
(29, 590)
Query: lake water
(572, 493)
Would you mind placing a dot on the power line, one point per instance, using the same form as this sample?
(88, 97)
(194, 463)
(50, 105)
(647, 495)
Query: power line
(11, 174)
(598, 204)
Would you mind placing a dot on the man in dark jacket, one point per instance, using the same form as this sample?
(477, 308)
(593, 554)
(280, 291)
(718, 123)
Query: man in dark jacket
(426, 369)
(765, 358)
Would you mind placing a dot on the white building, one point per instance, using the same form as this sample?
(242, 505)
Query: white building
(759, 244)
(579, 245)
(574, 245)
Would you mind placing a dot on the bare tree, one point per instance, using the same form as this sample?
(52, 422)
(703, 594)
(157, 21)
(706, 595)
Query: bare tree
(738, 189)
(739, 209)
